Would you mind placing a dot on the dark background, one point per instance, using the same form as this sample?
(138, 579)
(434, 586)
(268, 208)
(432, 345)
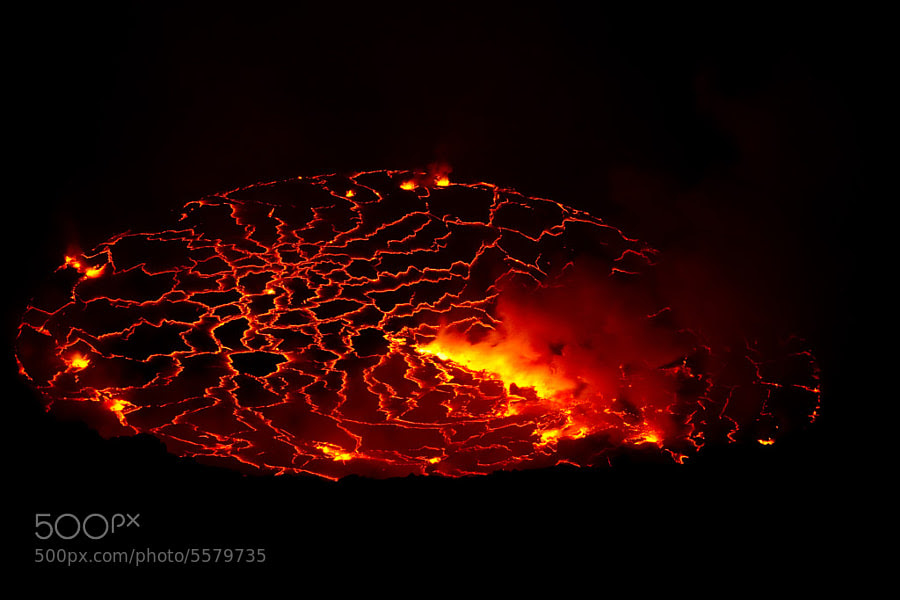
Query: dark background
(733, 142)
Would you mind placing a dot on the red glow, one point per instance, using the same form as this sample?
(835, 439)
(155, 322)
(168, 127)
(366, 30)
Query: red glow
(390, 323)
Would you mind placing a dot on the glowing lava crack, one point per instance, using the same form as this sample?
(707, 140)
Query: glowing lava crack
(391, 323)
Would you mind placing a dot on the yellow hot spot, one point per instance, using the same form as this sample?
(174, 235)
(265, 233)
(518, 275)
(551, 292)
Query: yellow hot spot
(766, 441)
(270, 291)
(408, 185)
(434, 459)
(334, 452)
(551, 435)
(73, 262)
(79, 362)
(350, 193)
(442, 181)
(94, 271)
(118, 405)
(647, 437)
(512, 409)
(512, 367)
(568, 431)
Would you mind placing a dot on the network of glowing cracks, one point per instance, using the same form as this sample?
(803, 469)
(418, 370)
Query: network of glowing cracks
(392, 323)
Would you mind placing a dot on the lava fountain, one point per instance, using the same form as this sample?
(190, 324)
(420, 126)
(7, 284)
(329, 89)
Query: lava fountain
(392, 323)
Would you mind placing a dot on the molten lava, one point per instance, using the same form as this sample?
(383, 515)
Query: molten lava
(517, 367)
(392, 323)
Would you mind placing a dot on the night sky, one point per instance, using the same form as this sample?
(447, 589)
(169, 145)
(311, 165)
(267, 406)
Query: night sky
(732, 142)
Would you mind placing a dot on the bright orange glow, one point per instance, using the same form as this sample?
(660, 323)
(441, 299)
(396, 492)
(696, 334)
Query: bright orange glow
(350, 193)
(569, 431)
(118, 405)
(120, 408)
(94, 271)
(512, 364)
(87, 271)
(551, 435)
(442, 181)
(766, 441)
(334, 452)
(408, 185)
(647, 437)
(79, 362)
